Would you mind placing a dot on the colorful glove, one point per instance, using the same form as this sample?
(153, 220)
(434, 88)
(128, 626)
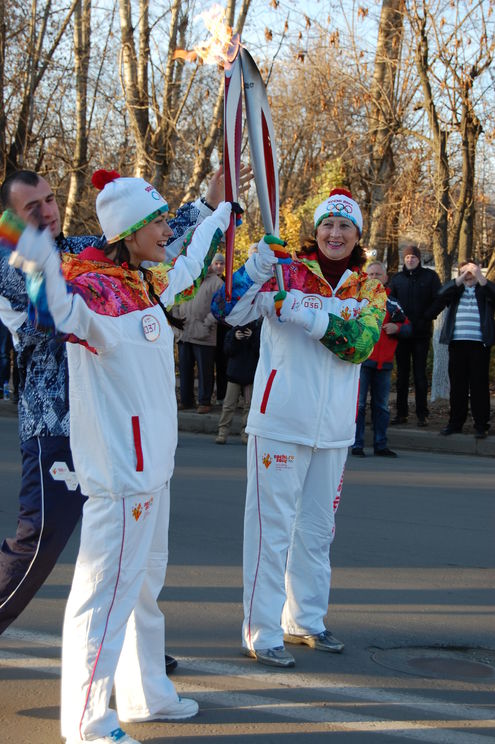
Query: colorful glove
(11, 228)
(290, 310)
(265, 258)
(33, 250)
(280, 249)
(259, 266)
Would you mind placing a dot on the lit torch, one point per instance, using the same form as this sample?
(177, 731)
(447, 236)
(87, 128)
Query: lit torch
(239, 66)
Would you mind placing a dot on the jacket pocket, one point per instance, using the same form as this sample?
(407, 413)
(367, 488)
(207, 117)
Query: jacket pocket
(136, 434)
(268, 388)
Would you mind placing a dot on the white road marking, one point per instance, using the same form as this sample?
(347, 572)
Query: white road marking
(328, 715)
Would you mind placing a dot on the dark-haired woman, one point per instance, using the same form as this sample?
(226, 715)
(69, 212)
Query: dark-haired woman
(314, 336)
(123, 428)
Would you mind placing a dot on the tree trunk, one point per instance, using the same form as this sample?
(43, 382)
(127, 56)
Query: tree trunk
(82, 46)
(441, 178)
(440, 385)
(382, 122)
(164, 137)
(134, 77)
(471, 130)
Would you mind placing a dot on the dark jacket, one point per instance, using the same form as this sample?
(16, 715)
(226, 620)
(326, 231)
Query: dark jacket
(449, 296)
(416, 291)
(242, 354)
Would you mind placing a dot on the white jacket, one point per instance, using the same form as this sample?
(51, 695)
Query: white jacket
(123, 411)
(306, 383)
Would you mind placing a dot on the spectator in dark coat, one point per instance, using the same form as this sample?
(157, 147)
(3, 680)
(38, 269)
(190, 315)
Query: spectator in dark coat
(241, 347)
(416, 289)
(469, 330)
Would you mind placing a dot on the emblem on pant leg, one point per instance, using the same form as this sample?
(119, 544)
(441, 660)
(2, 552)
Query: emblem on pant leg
(60, 472)
(266, 460)
(142, 509)
(282, 461)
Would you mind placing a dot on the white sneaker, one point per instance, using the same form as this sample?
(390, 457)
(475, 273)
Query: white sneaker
(117, 736)
(178, 711)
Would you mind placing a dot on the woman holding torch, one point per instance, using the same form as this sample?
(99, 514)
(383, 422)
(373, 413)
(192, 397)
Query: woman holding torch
(314, 336)
(123, 429)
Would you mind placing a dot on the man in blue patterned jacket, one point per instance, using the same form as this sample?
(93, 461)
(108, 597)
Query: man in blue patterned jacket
(50, 501)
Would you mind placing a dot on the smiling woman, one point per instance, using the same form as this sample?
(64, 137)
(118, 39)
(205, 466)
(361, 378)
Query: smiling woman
(123, 440)
(301, 422)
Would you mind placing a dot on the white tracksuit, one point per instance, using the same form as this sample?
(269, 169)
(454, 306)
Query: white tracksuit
(123, 436)
(301, 422)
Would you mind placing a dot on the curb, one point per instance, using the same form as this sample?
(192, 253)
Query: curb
(398, 438)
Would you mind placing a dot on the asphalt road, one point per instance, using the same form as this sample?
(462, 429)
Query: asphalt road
(412, 597)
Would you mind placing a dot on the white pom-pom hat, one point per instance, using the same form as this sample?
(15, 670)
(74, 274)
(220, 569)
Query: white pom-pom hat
(124, 205)
(340, 204)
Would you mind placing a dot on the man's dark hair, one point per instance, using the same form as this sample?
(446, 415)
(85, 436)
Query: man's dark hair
(27, 177)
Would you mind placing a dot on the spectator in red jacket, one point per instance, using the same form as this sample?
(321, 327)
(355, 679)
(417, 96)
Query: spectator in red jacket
(376, 372)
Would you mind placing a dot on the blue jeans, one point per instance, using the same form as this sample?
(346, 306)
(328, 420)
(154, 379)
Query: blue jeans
(378, 381)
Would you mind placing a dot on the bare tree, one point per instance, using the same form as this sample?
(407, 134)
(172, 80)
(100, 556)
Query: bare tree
(454, 221)
(383, 123)
(82, 41)
(41, 45)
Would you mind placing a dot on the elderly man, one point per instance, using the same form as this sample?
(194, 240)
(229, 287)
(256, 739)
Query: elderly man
(469, 330)
(416, 289)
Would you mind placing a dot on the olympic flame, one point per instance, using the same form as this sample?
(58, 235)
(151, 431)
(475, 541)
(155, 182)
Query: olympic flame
(216, 50)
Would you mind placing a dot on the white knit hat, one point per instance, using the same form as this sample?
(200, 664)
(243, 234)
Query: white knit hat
(340, 204)
(125, 204)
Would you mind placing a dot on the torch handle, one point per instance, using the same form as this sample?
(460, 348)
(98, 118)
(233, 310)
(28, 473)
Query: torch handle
(279, 275)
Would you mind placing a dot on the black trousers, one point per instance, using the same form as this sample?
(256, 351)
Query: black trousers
(417, 350)
(469, 363)
(49, 510)
(221, 362)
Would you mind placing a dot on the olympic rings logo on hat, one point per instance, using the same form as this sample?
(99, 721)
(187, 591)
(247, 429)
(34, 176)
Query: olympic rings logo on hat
(340, 206)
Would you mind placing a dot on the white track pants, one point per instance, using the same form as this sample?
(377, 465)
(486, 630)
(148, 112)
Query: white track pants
(292, 495)
(113, 628)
